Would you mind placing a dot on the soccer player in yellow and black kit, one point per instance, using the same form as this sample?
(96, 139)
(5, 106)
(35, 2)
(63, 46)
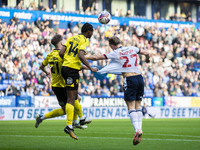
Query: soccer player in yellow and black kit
(73, 52)
(58, 83)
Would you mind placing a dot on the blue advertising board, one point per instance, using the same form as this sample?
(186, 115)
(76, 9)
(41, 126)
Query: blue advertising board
(64, 18)
(23, 101)
(7, 101)
(157, 101)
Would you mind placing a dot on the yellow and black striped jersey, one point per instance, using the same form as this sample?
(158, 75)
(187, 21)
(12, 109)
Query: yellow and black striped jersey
(55, 62)
(73, 45)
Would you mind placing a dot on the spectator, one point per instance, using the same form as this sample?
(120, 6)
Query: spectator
(140, 31)
(121, 14)
(128, 14)
(79, 24)
(15, 19)
(54, 8)
(38, 23)
(124, 27)
(40, 79)
(36, 91)
(27, 85)
(1, 93)
(56, 25)
(45, 92)
(45, 23)
(41, 7)
(29, 92)
(9, 90)
(71, 25)
(116, 13)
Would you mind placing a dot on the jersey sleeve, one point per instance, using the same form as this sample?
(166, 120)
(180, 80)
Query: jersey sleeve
(136, 49)
(84, 45)
(46, 61)
(111, 55)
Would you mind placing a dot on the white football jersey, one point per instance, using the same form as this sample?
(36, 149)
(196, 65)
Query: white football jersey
(124, 59)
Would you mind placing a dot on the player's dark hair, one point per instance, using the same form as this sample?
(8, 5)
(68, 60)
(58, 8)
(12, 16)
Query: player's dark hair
(56, 39)
(114, 41)
(86, 27)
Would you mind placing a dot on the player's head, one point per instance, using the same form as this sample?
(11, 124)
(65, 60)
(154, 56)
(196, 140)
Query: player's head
(87, 30)
(57, 40)
(114, 42)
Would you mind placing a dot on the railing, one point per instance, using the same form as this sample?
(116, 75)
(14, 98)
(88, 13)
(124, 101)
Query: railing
(64, 18)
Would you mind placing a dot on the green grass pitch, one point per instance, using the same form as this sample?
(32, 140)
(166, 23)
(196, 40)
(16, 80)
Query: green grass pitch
(159, 134)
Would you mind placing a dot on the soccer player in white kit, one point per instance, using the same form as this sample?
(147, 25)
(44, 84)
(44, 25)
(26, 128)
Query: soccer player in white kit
(124, 61)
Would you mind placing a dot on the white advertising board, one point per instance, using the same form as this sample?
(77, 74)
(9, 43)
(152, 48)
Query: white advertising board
(46, 102)
(86, 101)
(29, 113)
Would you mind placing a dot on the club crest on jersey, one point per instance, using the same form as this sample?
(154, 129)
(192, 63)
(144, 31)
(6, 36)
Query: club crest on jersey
(69, 80)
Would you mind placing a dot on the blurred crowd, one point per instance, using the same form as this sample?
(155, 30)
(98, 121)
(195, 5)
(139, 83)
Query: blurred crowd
(172, 70)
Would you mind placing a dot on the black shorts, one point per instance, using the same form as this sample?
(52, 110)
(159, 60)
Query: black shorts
(133, 88)
(61, 94)
(71, 77)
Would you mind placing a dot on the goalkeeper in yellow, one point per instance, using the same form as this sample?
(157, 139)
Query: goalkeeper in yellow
(73, 54)
(58, 85)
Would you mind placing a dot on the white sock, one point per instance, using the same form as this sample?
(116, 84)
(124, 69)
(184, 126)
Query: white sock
(140, 116)
(82, 118)
(76, 121)
(70, 126)
(43, 117)
(134, 119)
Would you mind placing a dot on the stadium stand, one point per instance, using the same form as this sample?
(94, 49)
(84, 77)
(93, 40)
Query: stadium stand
(174, 68)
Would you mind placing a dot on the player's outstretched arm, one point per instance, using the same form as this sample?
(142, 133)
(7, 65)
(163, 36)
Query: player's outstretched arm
(96, 57)
(81, 56)
(144, 52)
(84, 67)
(62, 51)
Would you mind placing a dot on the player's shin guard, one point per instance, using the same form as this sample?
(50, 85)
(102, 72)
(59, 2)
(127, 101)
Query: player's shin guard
(70, 114)
(54, 113)
(75, 115)
(78, 108)
(140, 116)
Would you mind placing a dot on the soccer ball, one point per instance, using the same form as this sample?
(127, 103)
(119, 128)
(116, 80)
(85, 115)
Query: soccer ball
(104, 17)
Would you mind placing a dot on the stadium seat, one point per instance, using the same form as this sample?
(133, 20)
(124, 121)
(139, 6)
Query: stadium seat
(3, 86)
(40, 86)
(148, 93)
(5, 81)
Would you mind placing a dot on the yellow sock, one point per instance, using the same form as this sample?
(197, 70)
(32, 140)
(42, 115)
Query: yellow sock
(75, 115)
(70, 113)
(78, 108)
(54, 113)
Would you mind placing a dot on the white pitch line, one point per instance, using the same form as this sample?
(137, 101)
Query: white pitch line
(172, 135)
(143, 134)
(111, 138)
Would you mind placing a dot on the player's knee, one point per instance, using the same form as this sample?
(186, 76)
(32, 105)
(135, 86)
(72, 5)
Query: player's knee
(71, 101)
(63, 108)
(137, 104)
